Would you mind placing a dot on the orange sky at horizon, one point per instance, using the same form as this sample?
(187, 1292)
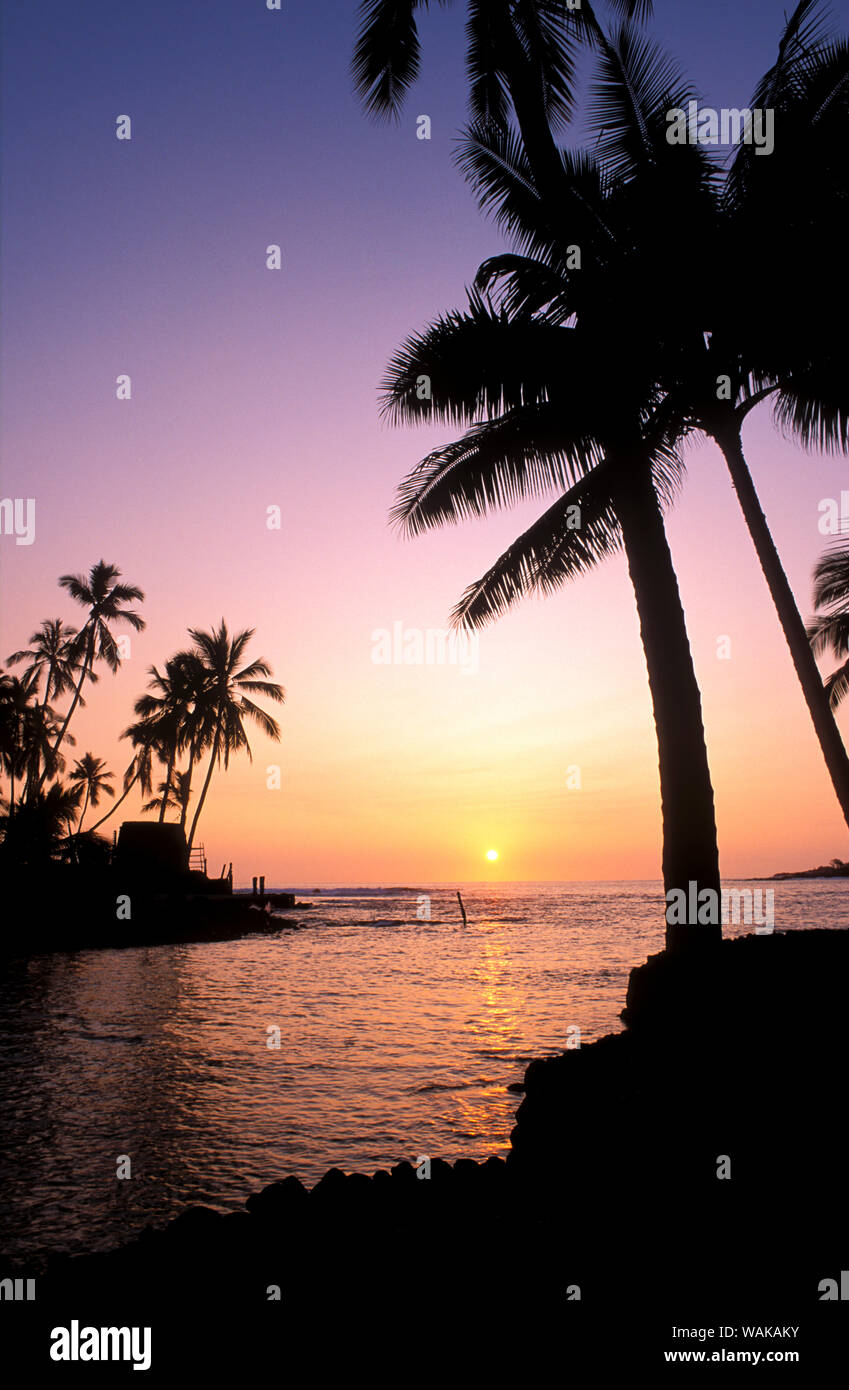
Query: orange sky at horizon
(405, 774)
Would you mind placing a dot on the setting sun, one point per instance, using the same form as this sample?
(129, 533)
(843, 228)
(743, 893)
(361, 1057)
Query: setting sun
(492, 855)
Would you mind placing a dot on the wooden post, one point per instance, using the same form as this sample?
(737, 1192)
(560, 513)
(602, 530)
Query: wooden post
(262, 890)
(254, 885)
(462, 909)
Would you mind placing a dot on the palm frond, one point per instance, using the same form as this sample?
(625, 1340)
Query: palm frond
(478, 362)
(526, 453)
(636, 88)
(549, 553)
(387, 55)
(837, 685)
(831, 578)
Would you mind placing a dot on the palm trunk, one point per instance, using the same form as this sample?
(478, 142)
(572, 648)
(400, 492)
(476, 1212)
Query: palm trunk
(83, 811)
(690, 853)
(187, 791)
(77, 693)
(206, 783)
(112, 809)
(831, 743)
(34, 778)
(168, 774)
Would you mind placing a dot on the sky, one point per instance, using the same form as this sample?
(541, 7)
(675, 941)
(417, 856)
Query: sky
(254, 388)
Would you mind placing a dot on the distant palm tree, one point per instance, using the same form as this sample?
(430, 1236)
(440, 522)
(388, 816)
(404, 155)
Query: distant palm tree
(51, 653)
(830, 631)
(15, 706)
(27, 732)
(104, 598)
(174, 793)
(181, 713)
(226, 697)
(90, 772)
(42, 829)
(143, 736)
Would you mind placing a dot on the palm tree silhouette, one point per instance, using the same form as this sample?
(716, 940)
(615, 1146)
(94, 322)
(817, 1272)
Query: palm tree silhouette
(226, 699)
(520, 55)
(50, 653)
(143, 735)
(717, 329)
(174, 793)
(90, 773)
(782, 347)
(178, 696)
(104, 598)
(28, 730)
(830, 630)
(42, 829)
(611, 459)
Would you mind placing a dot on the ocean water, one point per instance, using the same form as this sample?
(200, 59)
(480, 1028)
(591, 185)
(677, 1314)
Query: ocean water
(399, 1036)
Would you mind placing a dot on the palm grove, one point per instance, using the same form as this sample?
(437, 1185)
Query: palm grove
(700, 289)
(190, 721)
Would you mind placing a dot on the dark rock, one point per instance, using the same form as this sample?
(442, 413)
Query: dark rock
(279, 1199)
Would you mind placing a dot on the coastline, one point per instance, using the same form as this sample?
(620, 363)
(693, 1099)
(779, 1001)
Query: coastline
(617, 1145)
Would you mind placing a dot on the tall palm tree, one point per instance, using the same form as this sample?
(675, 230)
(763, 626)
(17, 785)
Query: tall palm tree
(830, 630)
(784, 346)
(104, 597)
(90, 773)
(550, 409)
(228, 689)
(724, 325)
(50, 653)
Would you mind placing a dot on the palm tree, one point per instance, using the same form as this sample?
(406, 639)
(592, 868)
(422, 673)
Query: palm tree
(104, 597)
(15, 706)
(180, 711)
(144, 737)
(830, 630)
(782, 346)
(227, 698)
(521, 55)
(51, 653)
(90, 772)
(174, 793)
(27, 732)
(42, 828)
(550, 420)
(724, 326)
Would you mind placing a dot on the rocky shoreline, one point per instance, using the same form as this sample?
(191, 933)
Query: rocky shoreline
(687, 1172)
